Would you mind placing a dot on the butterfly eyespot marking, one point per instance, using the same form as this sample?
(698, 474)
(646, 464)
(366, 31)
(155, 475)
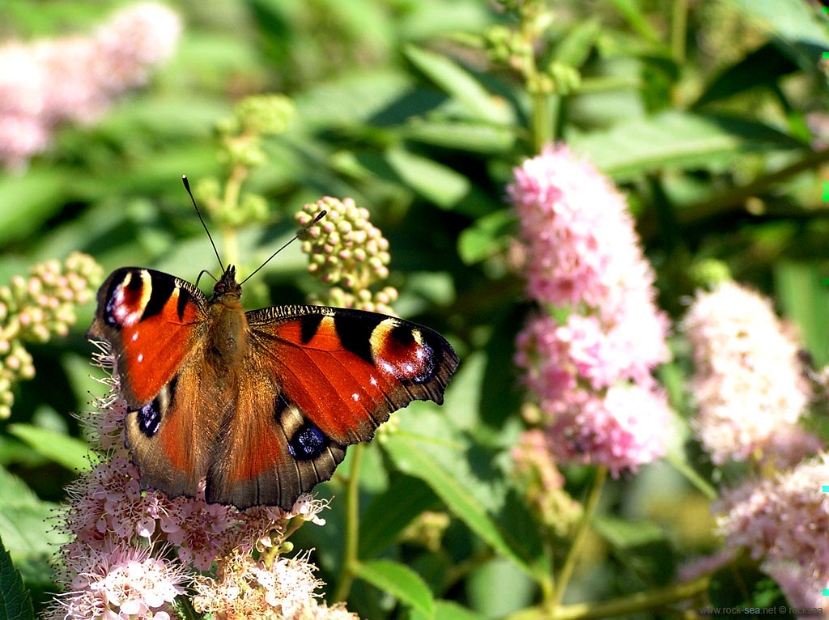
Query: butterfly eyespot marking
(127, 299)
(149, 418)
(403, 352)
(307, 443)
(150, 415)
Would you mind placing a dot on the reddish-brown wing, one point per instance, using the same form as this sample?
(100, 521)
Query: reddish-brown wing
(152, 320)
(316, 380)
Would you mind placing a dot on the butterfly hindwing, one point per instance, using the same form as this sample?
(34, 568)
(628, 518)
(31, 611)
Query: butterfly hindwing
(171, 437)
(268, 452)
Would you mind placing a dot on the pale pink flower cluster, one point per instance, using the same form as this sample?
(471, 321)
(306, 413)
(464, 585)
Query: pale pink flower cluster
(250, 588)
(783, 522)
(590, 367)
(131, 553)
(74, 79)
(122, 582)
(747, 380)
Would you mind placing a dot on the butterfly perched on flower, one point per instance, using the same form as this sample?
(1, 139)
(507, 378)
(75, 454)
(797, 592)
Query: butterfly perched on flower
(261, 403)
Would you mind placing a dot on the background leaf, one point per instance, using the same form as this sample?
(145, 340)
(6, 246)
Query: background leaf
(15, 601)
(399, 581)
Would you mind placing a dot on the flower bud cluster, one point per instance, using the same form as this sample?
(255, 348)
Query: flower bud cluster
(518, 47)
(34, 309)
(348, 252)
(241, 150)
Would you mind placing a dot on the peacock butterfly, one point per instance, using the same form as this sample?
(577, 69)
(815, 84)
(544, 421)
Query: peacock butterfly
(262, 403)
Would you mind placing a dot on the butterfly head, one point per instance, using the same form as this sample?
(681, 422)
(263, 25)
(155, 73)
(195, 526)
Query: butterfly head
(227, 287)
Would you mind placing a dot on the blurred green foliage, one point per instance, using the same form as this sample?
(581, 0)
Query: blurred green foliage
(700, 111)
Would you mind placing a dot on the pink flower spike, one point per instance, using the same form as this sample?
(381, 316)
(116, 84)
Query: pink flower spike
(747, 380)
(75, 79)
(783, 521)
(590, 368)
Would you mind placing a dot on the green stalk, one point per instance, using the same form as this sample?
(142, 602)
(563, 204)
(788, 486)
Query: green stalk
(633, 604)
(679, 30)
(579, 538)
(352, 526)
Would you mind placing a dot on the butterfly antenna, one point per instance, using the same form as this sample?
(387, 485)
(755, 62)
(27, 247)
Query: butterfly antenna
(201, 219)
(320, 215)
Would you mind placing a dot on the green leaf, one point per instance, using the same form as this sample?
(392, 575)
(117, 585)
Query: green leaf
(410, 457)
(575, 48)
(805, 301)
(487, 236)
(72, 453)
(26, 530)
(497, 588)
(638, 20)
(677, 140)
(449, 610)
(457, 82)
(389, 513)
(15, 601)
(28, 201)
(401, 582)
(765, 65)
(626, 534)
(436, 182)
(796, 25)
(465, 136)
(349, 100)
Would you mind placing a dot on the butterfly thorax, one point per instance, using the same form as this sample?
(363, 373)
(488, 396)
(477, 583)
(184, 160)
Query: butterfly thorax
(227, 337)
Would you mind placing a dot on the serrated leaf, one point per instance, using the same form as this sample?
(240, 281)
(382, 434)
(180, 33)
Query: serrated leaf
(15, 601)
(72, 453)
(401, 582)
(457, 82)
(676, 140)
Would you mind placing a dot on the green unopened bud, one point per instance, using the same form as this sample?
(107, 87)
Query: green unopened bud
(265, 114)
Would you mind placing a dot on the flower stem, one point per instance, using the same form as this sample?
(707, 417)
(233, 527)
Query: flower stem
(230, 200)
(633, 604)
(352, 526)
(579, 538)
